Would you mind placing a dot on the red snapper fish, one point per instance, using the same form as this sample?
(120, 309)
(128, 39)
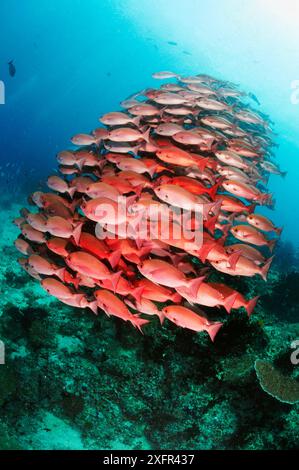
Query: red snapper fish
(23, 246)
(263, 223)
(143, 210)
(245, 191)
(163, 273)
(208, 296)
(243, 267)
(60, 185)
(239, 300)
(88, 265)
(83, 139)
(43, 266)
(118, 119)
(249, 234)
(112, 305)
(157, 293)
(62, 228)
(186, 318)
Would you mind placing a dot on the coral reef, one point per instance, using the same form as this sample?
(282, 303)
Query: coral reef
(99, 384)
(279, 386)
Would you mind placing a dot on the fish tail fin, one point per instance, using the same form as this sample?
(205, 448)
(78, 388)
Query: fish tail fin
(213, 191)
(251, 208)
(139, 243)
(67, 277)
(137, 293)
(101, 164)
(76, 281)
(231, 217)
(114, 278)
(270, 201)
(146, 135)
(193, 285)
(60, 273)
(264, 270)
(138, 323)
(175, 258)
(161, 317)
(229, 301)
(250, 305)
(204, 251)
(278, 230)
(80, 163)
(213, 330)
(152, 170)
(73, 204)
(217, 207)
(271, 244)
(93, 306)
(71, 191)
(77, 232)
(263, 198)
(161, 112)
(136, 120)
(225, 228)
(207, 208)
(133, 258)
(222, 239)
(114, 258)
(210, 223)
(201, 163)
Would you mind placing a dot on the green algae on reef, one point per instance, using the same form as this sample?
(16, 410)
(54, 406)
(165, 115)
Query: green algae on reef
(74, 380)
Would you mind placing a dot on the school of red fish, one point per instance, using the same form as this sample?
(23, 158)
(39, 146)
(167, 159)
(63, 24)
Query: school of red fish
(193, 146)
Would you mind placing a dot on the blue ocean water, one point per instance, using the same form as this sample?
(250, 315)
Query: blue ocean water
(76, 59)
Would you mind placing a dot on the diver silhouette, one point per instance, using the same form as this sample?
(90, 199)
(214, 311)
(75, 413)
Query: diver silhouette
(11, 68)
